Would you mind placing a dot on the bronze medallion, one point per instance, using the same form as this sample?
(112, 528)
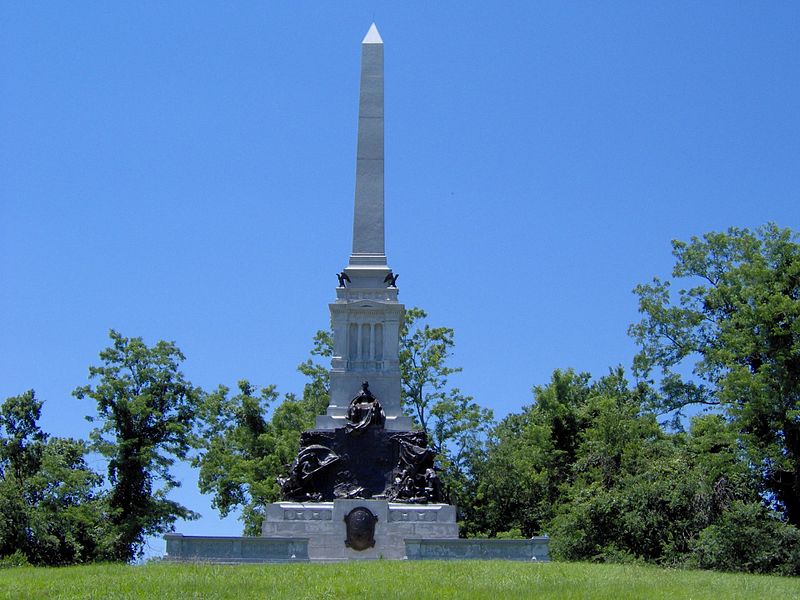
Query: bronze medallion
(360, 524)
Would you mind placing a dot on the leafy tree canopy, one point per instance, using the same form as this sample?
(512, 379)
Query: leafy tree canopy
(456, 425)
(588, 464)
(242, 453)
(146, 412)
(51, 507)
(731, 339)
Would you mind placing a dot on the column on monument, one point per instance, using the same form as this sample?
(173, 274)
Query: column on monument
(352, 335)
(392, 340)
(364, 355)
(339, 325)
(379, 344)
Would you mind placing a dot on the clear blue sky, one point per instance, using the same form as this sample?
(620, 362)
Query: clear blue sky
(184, 171)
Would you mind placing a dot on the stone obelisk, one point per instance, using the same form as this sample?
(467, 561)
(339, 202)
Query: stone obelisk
(368, 218)
(366, 315)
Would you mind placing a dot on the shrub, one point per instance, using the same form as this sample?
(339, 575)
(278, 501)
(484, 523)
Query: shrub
(748, 537)
(17, 559)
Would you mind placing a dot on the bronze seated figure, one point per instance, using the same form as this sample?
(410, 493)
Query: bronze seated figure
(364, 410)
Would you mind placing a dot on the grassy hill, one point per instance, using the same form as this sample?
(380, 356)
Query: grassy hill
(387, 580)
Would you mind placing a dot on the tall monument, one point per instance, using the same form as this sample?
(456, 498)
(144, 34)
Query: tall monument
(363, 481)
(364, 446)
(364, 484)
(366, 315)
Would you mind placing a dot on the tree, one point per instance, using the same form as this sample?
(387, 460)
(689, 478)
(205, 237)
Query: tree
(456, 425)
(529, 457)
(51, 507)
(589, 464)
(242, 453)
(736, 327)
(146, 411)
(424, 351)
(21, 448)
(638, 493)
(23, 441)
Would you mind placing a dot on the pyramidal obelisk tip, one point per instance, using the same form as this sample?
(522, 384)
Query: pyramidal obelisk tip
(372, 37)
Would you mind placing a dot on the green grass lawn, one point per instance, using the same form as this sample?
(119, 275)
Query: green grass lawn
(385, 580)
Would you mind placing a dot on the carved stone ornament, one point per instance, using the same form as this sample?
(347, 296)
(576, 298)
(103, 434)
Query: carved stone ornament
(360, 524)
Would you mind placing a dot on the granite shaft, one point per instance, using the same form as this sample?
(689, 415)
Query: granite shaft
(368, 217)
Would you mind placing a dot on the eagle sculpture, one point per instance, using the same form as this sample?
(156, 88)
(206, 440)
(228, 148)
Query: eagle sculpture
(342, 278)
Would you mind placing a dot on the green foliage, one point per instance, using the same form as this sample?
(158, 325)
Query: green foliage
(588, 465)
(50, 509)
(145, 413)
(424, 351)
(657, 501)
(512, 534)
(236, 460)
(455, 424)
(242, 454)
(15, 559)
(68, 521)
(749, 538)
(23, 442)
(737, 326)
(315, 391)
(528, 458)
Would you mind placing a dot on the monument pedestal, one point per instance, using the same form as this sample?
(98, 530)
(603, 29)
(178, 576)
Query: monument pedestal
(323, 524)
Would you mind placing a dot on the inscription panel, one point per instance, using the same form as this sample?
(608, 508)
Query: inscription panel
(414, 515)
(293, 514)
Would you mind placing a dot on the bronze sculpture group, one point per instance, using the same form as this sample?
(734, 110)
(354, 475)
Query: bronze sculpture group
(402, 468)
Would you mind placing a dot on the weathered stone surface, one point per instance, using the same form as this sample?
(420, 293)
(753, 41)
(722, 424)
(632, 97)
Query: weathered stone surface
(368, 220)
(327, 534)
(184, 548)
(535, 549)
(324, 540)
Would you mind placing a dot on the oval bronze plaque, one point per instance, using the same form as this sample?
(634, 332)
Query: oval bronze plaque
(360, 524)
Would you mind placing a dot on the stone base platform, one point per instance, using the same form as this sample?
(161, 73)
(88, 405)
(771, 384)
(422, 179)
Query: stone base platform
(324, 525)
(238, 550)
(297, 531)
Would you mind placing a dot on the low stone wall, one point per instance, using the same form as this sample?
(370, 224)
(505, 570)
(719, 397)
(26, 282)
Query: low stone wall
(294, 532)
(232, 550)
(534, 549)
